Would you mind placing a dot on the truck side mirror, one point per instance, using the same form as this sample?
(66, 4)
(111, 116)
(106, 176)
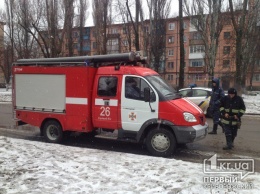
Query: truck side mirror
(147, 94)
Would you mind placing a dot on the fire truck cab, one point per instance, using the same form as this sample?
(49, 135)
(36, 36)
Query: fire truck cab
(102, 94)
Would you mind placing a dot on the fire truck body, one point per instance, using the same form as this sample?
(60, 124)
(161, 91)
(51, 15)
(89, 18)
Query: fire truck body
(78, 97)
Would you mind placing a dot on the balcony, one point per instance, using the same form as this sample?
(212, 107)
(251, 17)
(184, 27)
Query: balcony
(197, 69)
(196, 42)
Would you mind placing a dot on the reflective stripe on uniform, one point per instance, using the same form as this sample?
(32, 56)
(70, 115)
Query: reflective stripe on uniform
(233, 110)
(228, 122)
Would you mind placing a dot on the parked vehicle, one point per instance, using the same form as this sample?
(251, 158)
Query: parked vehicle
(88, 94)
(199, 95)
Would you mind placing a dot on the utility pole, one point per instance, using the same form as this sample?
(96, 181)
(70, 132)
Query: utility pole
(181, 32)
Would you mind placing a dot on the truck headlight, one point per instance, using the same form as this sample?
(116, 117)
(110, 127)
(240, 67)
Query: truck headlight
(189, 117)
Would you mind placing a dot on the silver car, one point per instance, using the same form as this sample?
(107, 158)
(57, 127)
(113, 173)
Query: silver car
(198, 95)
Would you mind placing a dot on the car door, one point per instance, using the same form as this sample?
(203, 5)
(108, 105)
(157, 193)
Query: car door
(134, 110)
(106, 102)
(200, 97)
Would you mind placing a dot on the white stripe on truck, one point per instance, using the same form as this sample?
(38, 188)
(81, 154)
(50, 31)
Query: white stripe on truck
(82, 101)
(193, 104)
(102, 102)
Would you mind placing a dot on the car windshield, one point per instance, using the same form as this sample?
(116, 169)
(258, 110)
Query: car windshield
(164, 90)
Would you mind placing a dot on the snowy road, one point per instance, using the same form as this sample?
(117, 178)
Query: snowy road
(36, 167)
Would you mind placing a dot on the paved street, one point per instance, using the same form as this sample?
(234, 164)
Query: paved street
(246, 144)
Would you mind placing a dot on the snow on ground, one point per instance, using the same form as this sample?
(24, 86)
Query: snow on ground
(252, 103)
(36, 167)
(5, 96)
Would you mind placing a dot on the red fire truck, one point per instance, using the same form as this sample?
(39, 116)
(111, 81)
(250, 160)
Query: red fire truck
(102, 94)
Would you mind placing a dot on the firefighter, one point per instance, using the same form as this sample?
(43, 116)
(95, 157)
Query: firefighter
(232, 108)
(214, 104)
(132, 91)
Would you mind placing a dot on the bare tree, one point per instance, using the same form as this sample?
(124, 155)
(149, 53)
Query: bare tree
(124, 14)
(135, 23)
(82, 7)
(158, 13)
(68, 23)
(46, 26)
(101, 22)
(8, 56)
(244, 20)
(181, 31)
(206, 18)
(238, 25)
(251, 42)
(135, 28)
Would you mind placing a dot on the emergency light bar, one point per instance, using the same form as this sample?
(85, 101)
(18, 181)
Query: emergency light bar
(122, 57)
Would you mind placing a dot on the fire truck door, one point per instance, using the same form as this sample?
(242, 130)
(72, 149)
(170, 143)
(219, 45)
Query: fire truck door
(134, 110)
(105, 113)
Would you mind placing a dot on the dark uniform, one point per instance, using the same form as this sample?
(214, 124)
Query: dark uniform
(232, 108)
(214, 104)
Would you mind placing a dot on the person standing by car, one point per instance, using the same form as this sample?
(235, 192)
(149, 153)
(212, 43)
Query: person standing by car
(232, 109)
(214, 104)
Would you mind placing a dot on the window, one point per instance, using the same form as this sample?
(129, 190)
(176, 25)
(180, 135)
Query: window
(114, 31)
(125, 30)
(171, 39)
(94, 45)
(184, 25)
(75, 45)
(186, 93)
(86, 43)
(198, 93)
(256, 77)
(226, 50)
(226, 63)
(258, 64)
(170, 65)
(184, 39)
(170, 77)
(196, 63)
(197, 36)
(75, 34)
(194, 21)
(227, 35)
(197, 49)
(146, 29)
(198, 76)
(107, 86)
(112, 42)
(125, 42)
(170, 52)
(171, 26)
(134, 88)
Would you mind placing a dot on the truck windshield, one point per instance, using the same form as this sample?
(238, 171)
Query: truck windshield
(164, 90)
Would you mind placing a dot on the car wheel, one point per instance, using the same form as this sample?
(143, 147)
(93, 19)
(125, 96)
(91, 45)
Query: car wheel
(160, 142)
(52, 131)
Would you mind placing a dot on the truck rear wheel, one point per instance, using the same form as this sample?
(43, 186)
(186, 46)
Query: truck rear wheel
(52, 131)
(160, 142)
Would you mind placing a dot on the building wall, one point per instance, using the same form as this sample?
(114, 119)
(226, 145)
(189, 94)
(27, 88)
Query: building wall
(195, 69)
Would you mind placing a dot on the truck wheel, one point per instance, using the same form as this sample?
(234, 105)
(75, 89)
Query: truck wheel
(52, 131)
(160, 142)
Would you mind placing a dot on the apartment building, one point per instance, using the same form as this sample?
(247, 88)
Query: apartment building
(119, 41)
